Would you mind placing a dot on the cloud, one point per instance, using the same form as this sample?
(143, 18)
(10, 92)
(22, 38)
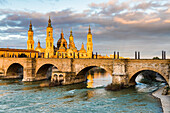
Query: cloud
(109, 7)
(116, 25)
(167, 11)
(123, 21)
(153, 20)
(167, 21)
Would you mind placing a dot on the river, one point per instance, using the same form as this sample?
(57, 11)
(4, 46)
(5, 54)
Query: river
(91, 97)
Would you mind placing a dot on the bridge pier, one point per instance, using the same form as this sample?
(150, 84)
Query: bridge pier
(119, 75)
(120, 79)
(29, 70)
(65, 78)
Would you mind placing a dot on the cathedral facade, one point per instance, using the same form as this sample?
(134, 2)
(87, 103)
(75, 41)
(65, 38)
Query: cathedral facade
(62, 49)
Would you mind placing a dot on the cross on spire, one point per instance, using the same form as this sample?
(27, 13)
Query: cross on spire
(71, 33)
(62, 34)
(30, 27)
(89, 30)
(49, 22)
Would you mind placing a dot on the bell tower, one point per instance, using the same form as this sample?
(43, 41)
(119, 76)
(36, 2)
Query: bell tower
(71, 40)
(30, 41)
(49, 52)
(89, 44)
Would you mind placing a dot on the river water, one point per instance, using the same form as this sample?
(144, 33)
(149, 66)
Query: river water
(91, 97)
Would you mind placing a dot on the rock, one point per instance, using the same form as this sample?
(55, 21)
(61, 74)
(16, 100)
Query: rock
(114, 87)
(165, 90)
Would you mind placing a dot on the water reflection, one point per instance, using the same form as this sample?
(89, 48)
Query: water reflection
(98, 77)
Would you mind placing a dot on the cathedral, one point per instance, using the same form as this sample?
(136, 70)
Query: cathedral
(62, 49)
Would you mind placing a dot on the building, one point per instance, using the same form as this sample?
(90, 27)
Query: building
(62, 48)
(29, 52)
(8, 52)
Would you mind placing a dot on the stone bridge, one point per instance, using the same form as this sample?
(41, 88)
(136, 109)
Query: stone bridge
(123, 71)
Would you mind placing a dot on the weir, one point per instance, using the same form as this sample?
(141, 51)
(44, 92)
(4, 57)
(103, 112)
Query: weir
(73, 70)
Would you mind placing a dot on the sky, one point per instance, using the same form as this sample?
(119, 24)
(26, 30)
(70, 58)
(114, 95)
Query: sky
(117, 25)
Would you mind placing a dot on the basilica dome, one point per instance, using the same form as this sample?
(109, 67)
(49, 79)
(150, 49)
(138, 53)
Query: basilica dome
(62, 40)
(82, 50)
(39, 48)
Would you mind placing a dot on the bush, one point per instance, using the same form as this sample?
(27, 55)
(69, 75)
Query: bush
(156, 58)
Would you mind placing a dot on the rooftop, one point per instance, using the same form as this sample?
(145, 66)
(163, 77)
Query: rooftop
(17, 50)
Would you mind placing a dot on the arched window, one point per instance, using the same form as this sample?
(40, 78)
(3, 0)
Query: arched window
(89, 39)
(55, 75)
(49, 33)
(29, 37)
(60, 75)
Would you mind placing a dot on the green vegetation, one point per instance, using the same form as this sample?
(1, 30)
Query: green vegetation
(156, 58)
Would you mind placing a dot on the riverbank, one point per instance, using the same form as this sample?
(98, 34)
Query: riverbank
(165, 99)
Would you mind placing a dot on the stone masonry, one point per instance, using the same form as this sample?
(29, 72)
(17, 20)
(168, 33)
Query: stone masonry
(123, 71)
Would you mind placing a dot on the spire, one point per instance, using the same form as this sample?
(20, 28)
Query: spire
(71, 33)
(49, 22)
(82, 46)
(89, 30)
(62, 34)
(82, 50)
(30, 28)
(38, 43)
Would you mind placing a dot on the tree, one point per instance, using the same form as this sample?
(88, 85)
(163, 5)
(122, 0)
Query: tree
(156, 58)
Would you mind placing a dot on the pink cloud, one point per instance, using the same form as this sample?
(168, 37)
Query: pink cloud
(153, 20)
(123, 21)
(167, 21)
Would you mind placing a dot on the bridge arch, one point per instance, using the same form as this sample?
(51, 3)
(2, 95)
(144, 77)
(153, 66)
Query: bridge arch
(2, 71)
(133, 76)
(88, 67)
(45, 70)
(81, 74)
(15, 70)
